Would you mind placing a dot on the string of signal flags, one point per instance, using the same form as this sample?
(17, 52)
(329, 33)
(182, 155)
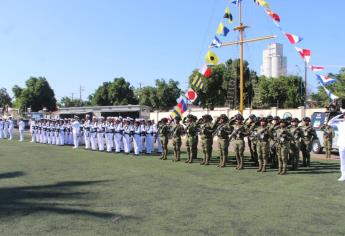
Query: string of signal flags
(211, 58)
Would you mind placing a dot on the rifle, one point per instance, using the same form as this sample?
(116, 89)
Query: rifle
(237, 130)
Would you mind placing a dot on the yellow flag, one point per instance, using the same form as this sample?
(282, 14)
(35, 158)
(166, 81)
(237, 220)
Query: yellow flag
(263, 3)
(220, 28)
(211, 58)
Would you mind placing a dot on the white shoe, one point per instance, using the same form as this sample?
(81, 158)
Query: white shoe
(74, 147)
(342, 178)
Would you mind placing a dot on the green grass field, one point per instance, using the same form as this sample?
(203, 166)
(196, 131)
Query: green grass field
(49, 190)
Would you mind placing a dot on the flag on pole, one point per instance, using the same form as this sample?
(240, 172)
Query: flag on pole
(216, 42)
(330, 94)
(274, 15)
(294, 39)
(325, 80)
(317, 68)
(206, 71)
(237, 2)
(211, 58)
(191, 95)
(228, 15)
(263, 3)
(305, 54)
(222, 30)
(182, 105)
(174, 114)
(197, 83)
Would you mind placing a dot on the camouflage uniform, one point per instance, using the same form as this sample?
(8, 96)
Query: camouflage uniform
(283, 139)
(192, 138)
(309, 134)
(164, 131)
(223, 130)
(238, 144)
(263, 135)
(327, 139)
(177, 131)
(251, 140)
(295, 144)
(273, 145)
(206, 135)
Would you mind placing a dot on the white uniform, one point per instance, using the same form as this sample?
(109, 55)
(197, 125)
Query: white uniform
(157, 139)
(109, 130)
(118, 137)
(100, 136)
(21, 128)
(149, 139)
(75, 133)
(341, 144)
(1, 128)
(126, 138)
(87, 134)
(94, 139)
(61, 135)
(137, 139)
(11, 128)
(143, 138)
(5, 129)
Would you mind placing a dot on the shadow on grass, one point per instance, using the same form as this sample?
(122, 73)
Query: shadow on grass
(318, 168)
(57, 198)
(14, 174)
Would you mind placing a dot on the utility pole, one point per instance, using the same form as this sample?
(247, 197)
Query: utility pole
(81, 90)
(72, 96)
(241, 28)
(305, 83)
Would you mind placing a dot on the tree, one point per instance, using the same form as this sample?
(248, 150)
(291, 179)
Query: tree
(5, 98)
(37, 95)
(222, 88)
(161, 97)
(118, 92)
(338, 88)
(68, 102)
(283, 92)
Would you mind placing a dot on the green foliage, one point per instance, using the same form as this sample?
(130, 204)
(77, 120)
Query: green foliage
(37, 95)
(118, 92)
(215, 92)
(338, 88)
(283, 92)
(68, 102)
(5, 98)
(160, 97)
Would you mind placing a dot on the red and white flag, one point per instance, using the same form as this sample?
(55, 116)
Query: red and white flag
(206, 71)
(305, 54)
(191, 95)
(294, 39)
(317, 68)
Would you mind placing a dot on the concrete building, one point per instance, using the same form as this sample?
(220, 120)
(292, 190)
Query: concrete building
(274, 64)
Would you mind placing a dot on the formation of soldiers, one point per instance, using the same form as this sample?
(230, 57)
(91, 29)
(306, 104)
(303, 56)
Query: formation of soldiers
(273, 142)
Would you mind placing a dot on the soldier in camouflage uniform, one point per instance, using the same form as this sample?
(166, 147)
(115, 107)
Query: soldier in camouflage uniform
(238, 134)
(295, 143)
(192, 137)
(262, 135)
(164, 131)
(283, 139)
(274, 125)
(309, 134)
(206, 135)
(177, 131)
(327, 139)
(251, 126)
(223, 130)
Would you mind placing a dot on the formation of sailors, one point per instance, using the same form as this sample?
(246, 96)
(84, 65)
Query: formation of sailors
(111, 134)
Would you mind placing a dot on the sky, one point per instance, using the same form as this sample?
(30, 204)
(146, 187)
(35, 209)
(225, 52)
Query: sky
(84, 43)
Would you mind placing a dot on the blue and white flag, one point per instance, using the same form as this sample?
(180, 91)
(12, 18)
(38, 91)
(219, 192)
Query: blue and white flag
(237, 2)
(325, 80)
(330, 94)
(216, 42)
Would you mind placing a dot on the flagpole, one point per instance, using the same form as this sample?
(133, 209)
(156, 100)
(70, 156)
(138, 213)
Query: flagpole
(305, 82)
(241, 29)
